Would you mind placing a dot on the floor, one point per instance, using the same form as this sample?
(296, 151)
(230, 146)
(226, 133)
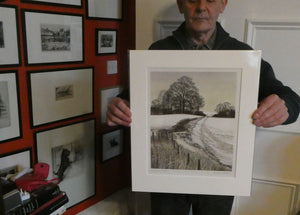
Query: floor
(123, 202)
(116, 204)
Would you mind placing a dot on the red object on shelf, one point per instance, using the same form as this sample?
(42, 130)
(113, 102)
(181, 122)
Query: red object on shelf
(36, 179)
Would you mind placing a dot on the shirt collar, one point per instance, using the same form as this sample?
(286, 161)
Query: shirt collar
(208, 46)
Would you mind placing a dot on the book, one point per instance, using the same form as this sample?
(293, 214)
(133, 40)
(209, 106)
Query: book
(49, 207)
(25, 208)
(38, 198)
(59, 211)
(45, 193)
(52, 205)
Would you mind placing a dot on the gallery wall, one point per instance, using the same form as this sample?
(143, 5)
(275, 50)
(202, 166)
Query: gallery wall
(54, 97)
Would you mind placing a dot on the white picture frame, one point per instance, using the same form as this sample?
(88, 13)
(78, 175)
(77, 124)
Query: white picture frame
(215, 171)
(9, 36)
(41, 44)
(10, 123)
(105, 97)
(74, 3)
(57, 95)
(79, 176)
(15, 162)
(104, 9)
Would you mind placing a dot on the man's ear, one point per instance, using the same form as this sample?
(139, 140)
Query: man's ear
(180, 6)
(224, 3)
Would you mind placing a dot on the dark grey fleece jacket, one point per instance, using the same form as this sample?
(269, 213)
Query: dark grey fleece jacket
(268, 82)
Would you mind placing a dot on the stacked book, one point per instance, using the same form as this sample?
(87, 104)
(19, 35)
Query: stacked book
(44, 200)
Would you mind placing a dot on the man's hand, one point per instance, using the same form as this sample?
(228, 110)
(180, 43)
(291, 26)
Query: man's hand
(118, 112)
(272, 111)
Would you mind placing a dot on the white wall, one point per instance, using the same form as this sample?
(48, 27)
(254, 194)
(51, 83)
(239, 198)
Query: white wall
(276, 176)
(149, 11)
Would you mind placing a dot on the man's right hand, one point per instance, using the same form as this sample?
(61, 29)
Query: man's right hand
(118, 113)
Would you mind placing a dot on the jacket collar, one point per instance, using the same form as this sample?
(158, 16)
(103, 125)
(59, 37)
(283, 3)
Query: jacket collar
(180, 36)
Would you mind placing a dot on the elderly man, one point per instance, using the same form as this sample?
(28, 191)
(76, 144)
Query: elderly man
(278, 104)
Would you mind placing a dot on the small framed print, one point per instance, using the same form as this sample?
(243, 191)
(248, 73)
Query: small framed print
(53, 38)
(10, 124)
(69, 3)
(9, 36)
(104, 9)
(71, 158)
(13, 162)
(105, 97)
(112, 144)
(192, 120)
(106, 41)
(57, 95)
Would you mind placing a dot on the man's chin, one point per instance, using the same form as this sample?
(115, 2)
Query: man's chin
(201, 29)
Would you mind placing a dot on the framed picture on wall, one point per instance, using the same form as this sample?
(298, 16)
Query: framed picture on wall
(9, 36)
(106, 41)
(104, 9)
(14, 162)
(105, 97)
(10, 124)
(73, 3)
(71, 158)
(53, 38)
(57, 95)
(192, 120)
(112, 144)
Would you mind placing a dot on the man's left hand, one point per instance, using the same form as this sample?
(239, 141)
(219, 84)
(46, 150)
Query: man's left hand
(271, 111)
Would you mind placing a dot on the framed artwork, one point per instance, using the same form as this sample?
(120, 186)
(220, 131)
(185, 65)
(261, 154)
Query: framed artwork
(9, 36)
(10, 124)
(70, 152)
(104, 9)
(112, 144)
(106, 41)
(14, 162)
(105, 97)
(192, 120)
(52, 38)
(57, 95)
(112, 67)
(69, 3)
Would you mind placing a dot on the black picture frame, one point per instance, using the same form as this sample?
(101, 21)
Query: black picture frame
(12, 162)
(10, 113)
(79, 176)
(9, 36)
(55, 3)
(54, 90)
(106, 41)
(104, 9)
(112, 144)
(42, 46)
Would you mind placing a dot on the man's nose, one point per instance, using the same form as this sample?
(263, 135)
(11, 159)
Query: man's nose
(201, 6)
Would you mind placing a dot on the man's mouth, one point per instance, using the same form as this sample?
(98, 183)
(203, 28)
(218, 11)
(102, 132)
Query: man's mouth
(200, 18)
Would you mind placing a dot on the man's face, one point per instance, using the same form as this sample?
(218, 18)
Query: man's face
(201, 15)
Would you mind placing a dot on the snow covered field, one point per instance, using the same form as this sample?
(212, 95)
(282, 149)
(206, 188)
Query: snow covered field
(216, 136)
(167, 121)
